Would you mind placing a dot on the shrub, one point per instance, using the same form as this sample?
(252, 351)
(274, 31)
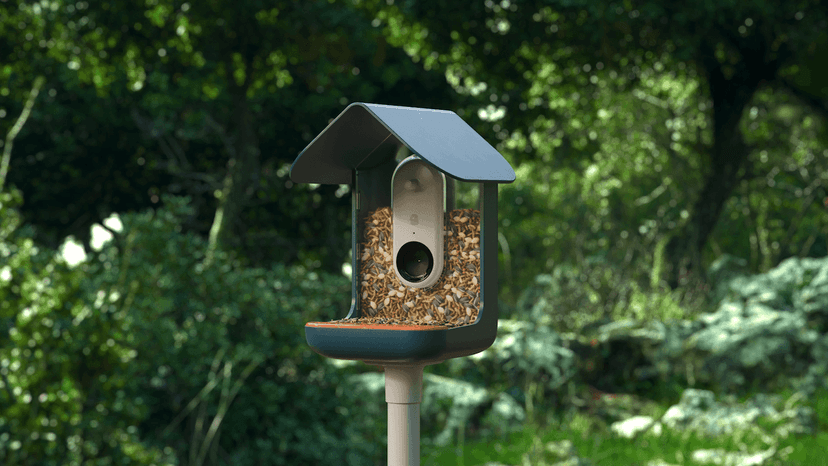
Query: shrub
(571, 298)
(142, 354)
(64, 376)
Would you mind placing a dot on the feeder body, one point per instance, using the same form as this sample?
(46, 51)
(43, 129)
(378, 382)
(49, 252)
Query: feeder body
(411, 303)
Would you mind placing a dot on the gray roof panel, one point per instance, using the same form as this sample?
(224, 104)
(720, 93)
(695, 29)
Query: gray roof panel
(365, 132)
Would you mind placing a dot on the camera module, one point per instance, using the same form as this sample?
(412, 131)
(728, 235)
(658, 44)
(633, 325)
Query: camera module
(418, 206)
(415, 261)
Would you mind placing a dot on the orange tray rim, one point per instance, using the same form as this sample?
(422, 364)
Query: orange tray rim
(421, 328)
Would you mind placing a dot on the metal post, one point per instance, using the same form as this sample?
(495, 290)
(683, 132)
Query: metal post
(404, 393)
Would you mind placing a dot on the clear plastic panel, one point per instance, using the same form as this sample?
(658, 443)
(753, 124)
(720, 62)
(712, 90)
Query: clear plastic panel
(383, 297)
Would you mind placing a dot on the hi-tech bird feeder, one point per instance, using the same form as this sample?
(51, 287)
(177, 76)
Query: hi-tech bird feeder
(424, 272)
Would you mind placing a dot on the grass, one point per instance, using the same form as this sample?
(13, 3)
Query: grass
(593, 440)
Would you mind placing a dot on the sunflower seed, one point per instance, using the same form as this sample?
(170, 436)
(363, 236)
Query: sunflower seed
(430, 313)
(470, 268)
(376, 287)
(466, 320)
(476, 301)
(405, 308)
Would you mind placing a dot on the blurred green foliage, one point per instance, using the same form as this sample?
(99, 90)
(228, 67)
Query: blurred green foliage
(136, 355)
(618, 117)
(142, 100)
(63, 376)
(634, 123)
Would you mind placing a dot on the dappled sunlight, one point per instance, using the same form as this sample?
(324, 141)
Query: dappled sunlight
(662, 254)
(72, 252)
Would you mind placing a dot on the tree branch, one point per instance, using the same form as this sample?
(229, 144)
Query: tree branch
(8, 388)
(15, 130)
(198, 176)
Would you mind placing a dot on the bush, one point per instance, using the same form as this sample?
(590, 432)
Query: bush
(571, 298)
(144, 355)
(64, 377)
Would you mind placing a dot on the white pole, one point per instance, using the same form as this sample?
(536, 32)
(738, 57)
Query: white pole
(404, 393)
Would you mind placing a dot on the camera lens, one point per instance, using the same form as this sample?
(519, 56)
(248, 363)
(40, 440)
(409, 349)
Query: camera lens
(414, 261)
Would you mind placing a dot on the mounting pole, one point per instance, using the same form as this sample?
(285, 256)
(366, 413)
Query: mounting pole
(404, 393)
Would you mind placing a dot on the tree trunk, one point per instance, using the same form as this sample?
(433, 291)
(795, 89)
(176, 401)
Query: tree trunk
(242, 168)
(684, 251)
(726, 160)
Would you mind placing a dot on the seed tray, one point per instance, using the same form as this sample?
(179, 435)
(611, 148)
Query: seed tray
(397, 332)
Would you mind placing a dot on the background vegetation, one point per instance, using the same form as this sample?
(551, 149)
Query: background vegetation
(649, 138)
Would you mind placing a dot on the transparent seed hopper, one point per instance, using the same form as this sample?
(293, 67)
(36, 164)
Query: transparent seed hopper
(424, 243)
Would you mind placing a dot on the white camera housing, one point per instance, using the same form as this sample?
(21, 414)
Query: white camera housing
(418, 212)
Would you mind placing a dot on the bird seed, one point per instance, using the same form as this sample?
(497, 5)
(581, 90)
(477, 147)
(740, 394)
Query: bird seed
(399, 305)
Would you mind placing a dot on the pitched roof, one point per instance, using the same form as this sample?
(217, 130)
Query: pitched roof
(363, 135)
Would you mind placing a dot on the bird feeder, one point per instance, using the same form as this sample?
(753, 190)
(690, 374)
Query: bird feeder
(424, 247)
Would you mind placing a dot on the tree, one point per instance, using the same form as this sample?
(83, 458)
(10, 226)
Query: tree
(200, 95)
(542, 62)
(15, 130)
